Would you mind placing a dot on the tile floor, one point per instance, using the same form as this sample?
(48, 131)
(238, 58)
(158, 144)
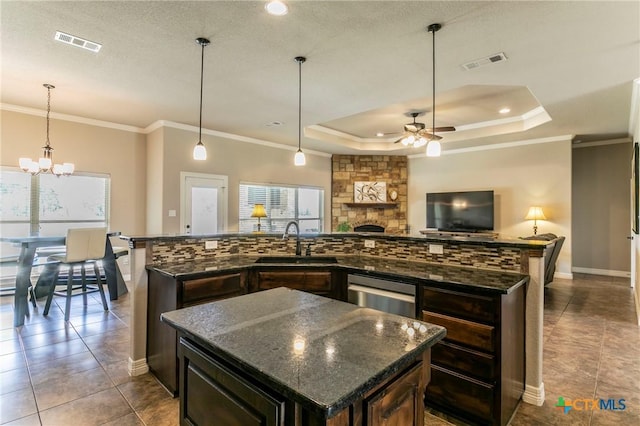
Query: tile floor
(52, 373)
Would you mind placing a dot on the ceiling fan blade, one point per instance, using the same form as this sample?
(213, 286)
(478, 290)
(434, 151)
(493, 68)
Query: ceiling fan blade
(429, 136)
(443, 129)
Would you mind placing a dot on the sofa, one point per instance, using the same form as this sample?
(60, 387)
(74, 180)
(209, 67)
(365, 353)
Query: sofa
(551, 255)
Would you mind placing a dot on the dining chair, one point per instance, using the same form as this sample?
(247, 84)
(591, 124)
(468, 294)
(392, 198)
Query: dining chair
(84, 247)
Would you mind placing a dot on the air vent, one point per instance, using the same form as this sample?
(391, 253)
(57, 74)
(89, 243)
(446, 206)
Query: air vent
(77, 41)
(498, 57)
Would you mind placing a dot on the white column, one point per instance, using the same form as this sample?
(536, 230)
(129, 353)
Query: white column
(138, 324)
(534, 325)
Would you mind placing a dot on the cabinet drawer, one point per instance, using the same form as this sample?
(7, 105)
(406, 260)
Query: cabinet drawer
(472, 307)
(465, 361)
(468, 397)
(479, 336)
(211, 288)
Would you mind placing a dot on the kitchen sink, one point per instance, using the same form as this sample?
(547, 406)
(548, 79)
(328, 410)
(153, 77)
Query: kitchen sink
(297, 259)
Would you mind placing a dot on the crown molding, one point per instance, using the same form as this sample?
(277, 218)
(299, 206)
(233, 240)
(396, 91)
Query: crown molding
(514, 144)
(71, 118)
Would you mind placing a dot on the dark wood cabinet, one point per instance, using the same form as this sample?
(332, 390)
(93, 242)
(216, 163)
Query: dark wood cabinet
(314, 280)
(399, 403)
(166, 294)
(478, 369)
(213, 392)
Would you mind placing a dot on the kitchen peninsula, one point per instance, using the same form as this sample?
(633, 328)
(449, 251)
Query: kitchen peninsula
(289, 357)
(481, 272)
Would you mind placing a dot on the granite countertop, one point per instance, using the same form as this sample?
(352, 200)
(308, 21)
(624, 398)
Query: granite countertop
(477, 280)
(508, 241)
(323, 353)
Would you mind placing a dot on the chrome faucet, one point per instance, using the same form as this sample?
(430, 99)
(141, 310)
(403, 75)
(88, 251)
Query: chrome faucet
(286, 235)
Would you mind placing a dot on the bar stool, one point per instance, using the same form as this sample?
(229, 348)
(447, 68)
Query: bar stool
(84, 247)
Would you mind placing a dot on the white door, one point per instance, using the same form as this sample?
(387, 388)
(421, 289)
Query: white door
(204, 203)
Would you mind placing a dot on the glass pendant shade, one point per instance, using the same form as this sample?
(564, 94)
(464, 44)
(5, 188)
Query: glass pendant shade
(299, 159)
(420, 142)
(276, 8)
(199, 152)
(433, 149)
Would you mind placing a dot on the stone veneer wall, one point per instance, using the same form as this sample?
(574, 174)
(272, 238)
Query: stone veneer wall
(348, 169)
(465, 255)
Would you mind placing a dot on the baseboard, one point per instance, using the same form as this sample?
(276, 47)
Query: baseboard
(563, 275)
(138, 367)
(605, 272)
(534, 395)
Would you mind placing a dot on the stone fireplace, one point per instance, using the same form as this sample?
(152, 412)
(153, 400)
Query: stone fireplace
(390, 216)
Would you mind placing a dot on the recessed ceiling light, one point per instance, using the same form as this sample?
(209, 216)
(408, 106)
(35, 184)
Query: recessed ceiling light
(77, 41)
(505, 110)
(276, 7)
(379, 134)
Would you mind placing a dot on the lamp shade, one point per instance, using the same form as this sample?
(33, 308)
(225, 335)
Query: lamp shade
(258, 211)
(535, 213)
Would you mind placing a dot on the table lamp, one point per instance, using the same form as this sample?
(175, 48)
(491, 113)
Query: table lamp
(535, 213)
(258, 211)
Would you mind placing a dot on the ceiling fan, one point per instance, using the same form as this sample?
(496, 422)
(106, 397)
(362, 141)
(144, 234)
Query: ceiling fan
(417, 134)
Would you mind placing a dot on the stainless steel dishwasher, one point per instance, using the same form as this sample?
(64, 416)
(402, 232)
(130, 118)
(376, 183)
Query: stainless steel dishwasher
(384, 295)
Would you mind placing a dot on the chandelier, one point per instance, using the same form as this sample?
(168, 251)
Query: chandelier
(45, 163)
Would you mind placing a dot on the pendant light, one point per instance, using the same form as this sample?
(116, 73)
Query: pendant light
(433, 147)
(45, 163)
(299, 159)
(199, 151)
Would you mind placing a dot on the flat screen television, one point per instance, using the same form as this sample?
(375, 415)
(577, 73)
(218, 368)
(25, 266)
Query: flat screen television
(470, 211)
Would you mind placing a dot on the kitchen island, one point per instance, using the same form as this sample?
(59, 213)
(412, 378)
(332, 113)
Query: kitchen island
(284, 356)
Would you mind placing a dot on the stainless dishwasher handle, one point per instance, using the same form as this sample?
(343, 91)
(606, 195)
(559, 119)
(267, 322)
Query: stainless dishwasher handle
(384, 293)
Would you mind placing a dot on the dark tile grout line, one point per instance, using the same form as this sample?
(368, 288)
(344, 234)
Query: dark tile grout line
(70, 323)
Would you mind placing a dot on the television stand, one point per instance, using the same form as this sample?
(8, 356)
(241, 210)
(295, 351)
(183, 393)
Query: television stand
(479, 235)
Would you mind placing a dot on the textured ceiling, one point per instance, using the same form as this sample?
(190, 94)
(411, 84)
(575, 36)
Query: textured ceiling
(368, 63)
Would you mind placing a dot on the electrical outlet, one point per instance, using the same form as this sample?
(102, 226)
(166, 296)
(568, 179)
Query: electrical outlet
(210, 245)
(369, 243)
(436, 249)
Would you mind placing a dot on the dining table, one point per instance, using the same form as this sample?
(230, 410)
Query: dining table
(28, 249)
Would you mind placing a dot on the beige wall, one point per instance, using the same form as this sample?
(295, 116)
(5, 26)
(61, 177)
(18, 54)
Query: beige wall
(241, 162)
(119, 153)
(601, 196)
(155, 171)
(520, 176)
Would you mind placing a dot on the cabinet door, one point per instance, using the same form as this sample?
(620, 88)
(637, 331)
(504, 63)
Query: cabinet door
(210, 289)
(213, 394)
(400, 402)
(318, 282)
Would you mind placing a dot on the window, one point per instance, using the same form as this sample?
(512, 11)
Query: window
(283, 204)
(48, 205)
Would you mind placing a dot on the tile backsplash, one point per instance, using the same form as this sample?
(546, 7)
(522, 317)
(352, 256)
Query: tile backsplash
(455, 254)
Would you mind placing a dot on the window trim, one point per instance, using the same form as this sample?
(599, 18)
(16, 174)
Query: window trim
(296, 217)
(34, 200)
